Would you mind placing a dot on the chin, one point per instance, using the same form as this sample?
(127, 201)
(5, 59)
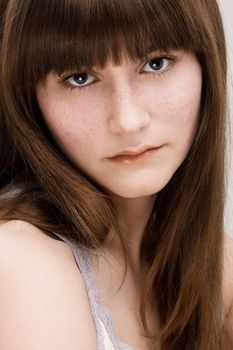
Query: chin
(139, 189)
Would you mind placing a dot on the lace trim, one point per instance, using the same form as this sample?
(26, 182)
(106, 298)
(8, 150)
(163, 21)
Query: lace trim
(98, 309)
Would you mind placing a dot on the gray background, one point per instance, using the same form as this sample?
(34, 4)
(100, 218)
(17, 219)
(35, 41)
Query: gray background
(227, 13)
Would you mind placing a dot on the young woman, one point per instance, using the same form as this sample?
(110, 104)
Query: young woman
(112, 176)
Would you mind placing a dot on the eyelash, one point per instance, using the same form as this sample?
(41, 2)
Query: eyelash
(64, 80)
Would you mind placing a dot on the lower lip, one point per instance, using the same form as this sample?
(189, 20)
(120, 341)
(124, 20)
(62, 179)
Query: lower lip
(135, 159)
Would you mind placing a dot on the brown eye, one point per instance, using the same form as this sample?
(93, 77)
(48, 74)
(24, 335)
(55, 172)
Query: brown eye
(158, 64)
(80, 80)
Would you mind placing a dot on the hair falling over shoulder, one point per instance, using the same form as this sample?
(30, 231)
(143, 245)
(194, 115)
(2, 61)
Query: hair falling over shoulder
(183, 244)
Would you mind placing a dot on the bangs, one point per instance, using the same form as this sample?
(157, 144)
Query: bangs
(71, 34)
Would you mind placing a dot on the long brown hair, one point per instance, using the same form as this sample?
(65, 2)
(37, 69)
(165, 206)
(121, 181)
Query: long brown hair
(183, 241)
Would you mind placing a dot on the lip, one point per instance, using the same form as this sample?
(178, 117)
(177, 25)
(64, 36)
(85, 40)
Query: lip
(134, 152)
(135, 157)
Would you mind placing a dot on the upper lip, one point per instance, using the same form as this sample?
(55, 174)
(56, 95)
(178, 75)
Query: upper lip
(133, 151)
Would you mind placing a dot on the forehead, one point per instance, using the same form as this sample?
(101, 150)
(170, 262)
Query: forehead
(70, 34)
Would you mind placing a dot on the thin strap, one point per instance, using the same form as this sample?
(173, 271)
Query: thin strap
(83, 264)
(101, 314)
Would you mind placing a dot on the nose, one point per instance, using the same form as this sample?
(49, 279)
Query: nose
(128, 110)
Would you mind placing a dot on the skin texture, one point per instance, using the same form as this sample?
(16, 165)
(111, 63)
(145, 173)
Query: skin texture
(127, 106)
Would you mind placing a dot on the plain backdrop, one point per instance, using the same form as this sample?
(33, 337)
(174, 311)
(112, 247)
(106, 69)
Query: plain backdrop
(227, 13)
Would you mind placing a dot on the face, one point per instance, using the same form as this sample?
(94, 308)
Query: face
(151, 105)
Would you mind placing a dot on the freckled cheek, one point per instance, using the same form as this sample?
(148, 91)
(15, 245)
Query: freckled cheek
(177, 107)
(72, 124)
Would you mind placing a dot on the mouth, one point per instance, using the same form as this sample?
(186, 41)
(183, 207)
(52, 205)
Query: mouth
(127, 157)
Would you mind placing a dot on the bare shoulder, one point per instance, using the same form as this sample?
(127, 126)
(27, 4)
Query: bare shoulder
(17, 237)
(43, 297)
(17, 232)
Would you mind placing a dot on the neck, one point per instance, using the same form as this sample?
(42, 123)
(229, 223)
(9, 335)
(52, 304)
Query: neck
(133, 216)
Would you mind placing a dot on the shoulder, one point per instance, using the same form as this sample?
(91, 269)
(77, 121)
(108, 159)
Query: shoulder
(18, 234)
(43, 297)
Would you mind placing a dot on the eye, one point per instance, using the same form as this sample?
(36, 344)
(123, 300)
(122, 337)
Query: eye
(80, 79)
(84, 80)
(158, 64)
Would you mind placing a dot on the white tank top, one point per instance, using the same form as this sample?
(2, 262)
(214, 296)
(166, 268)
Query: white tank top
(102, 317)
